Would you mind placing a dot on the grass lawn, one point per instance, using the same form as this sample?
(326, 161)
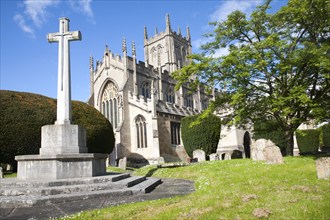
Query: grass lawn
(10, 175)
(234, 189)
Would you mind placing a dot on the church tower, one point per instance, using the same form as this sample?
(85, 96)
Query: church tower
(168, 49)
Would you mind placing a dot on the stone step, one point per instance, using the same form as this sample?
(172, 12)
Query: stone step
(31, 200)
(146, 186)
(131, 181)
(111, 177)
(85, 188)
(68, 189)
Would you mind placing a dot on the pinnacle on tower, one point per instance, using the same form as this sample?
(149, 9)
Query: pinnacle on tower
(145, 33)
(156, 30)
(168, 22)
(124, 48)
(91, 62)
(106, 50)
(133, 49)
(179, 31)
(188, 33)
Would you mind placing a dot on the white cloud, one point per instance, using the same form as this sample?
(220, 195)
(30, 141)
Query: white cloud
(83, 6)
(22, 24)
(228, 7)
(36, 10)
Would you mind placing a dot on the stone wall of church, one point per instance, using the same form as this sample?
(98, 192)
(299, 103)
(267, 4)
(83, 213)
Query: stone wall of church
(167, 150)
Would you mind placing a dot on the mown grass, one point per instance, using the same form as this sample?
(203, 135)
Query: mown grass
(233, 189)
(10, 175)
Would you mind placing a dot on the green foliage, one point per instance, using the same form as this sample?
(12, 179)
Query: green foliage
(23, 114)
(269, 129)
(200, 132)
(325, 135)
(308, 140)
(277, 65)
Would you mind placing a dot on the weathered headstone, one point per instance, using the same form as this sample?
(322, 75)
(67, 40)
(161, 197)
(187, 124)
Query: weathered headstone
(323, 167)
(122, 163)
(214, 156)
(227, 156)
(1, 173)
(199, 154)
(257, 148)
(273, 155)
(160, 160)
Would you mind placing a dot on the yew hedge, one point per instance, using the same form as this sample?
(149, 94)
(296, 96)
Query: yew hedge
(23, 114)
(204, 134)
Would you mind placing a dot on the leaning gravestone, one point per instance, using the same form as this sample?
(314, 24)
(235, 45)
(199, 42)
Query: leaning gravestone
(123, 163)
(199, 155)
(160, 160)
(257, 148)
(214, 156)
(273, 155)
(323, 167)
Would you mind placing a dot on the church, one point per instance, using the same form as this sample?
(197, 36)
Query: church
(139, 99)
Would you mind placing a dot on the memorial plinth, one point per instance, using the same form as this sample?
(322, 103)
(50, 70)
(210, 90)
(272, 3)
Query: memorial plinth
(61, 166)
(63, 152)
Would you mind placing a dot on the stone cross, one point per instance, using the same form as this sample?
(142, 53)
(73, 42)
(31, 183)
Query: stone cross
(64, 80)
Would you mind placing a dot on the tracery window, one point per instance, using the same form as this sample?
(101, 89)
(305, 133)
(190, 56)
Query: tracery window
(170, 95)
(110, 100)
(205, 104)
(175, 133)
(146, 90)
(153, 53)
(188, 101)
(141, 132)
(159, 54)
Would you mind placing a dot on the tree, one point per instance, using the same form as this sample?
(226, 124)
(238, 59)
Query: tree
(277, 66)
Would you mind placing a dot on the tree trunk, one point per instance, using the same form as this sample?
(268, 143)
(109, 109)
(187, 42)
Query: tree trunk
(289, 142)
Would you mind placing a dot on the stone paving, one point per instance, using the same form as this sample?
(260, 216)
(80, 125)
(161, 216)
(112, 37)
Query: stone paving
(168, 188)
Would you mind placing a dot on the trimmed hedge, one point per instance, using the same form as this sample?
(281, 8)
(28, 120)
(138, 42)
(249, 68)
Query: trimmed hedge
(325, 135)
(23, 114)
(308, 140)
(204, 135)
(271, 130)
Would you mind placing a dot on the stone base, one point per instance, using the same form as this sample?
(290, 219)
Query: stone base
(61, 166)
(63, 139)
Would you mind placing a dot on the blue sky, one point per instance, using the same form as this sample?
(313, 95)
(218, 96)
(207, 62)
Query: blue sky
(29, 62)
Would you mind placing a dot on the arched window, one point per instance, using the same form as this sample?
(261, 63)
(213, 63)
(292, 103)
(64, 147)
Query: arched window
(141, 132)
(183, 55)
(145, 90)
(159, 54)
(170, 95)
(205, 103)
(110, 99)
(153, 53)
(188, 101)
(175, 133)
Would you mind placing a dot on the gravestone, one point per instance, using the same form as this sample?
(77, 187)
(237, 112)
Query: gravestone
(199, 155)
(160, 160)
(257, 148)
(122, 164)
(63, 152)
(273, 155)
(1, 173)
(214, 156)
(323, 167)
